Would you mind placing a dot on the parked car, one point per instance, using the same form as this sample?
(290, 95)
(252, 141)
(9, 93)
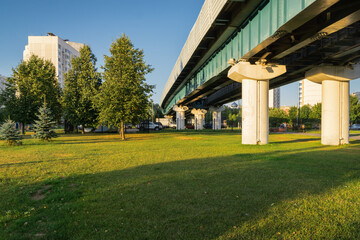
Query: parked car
(149, 126)
(355, 127)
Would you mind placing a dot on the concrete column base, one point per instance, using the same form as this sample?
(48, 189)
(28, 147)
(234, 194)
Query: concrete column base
(255, 111)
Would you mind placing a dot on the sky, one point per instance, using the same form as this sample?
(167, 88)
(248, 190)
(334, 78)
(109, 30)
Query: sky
(159, 27)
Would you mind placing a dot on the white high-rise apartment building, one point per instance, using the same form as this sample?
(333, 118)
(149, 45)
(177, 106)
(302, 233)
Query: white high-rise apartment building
(274, 98)
(309, 93)
(55, 49)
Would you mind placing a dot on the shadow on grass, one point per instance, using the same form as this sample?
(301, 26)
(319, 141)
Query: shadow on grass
(193, 199)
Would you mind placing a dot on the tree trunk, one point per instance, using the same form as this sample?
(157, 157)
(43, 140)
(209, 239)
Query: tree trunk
(122, 132)
(82, 129)
(23, 128)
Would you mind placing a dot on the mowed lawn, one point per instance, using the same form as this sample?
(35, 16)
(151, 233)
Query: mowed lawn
(179, 185)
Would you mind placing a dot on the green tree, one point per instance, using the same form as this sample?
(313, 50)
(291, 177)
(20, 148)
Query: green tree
(293, 115)
(43, 126)
(315, 114)
(124, 96)
(82, 83)
(31, 81)
(305, 112)
(354, 110)
(277, 116)
(9, 133)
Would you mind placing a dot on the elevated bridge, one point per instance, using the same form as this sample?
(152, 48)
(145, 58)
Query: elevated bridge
(301, 35)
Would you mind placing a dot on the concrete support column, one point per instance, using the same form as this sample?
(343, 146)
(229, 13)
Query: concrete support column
(180, 116)
(199, 118)
(255, 98)
(217, 117)
(335, 101)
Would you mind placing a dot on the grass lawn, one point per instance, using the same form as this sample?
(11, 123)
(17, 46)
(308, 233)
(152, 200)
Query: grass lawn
(179, 185)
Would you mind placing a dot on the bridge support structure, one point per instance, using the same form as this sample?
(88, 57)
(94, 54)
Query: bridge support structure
(335, 101)
(199, 118)
(180, 116)
(255, 98)
(217, 117)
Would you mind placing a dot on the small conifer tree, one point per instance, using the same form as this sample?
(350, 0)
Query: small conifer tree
(43, 126)
(9, 133)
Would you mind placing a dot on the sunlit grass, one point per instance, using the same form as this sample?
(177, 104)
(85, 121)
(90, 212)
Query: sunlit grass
(179, 185)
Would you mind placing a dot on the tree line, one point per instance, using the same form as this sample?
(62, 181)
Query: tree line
(89, 98)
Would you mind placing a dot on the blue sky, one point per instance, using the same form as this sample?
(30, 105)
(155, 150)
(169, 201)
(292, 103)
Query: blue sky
(160, 27)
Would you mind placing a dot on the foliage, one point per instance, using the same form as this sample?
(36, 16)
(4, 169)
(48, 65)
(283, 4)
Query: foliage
(233, 119)
(124, 96)
(305, 112)
(277, 116)
(82, 83)
(293, 188)
(315, 114)
(354, 110)
(9, 133)
(293, 115)
(24, 92)
(43, 126)
(158, 111)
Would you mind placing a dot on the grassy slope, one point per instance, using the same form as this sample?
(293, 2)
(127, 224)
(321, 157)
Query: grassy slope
(179, 186)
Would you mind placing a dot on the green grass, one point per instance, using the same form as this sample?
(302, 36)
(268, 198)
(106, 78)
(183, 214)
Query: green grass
(179, 185)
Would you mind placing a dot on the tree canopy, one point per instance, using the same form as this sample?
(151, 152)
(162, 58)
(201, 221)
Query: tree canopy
(124, 95)
(25, 90)
(82, 83)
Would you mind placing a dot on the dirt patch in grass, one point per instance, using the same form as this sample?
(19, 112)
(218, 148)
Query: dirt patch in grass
(188, 138)
(40, 194)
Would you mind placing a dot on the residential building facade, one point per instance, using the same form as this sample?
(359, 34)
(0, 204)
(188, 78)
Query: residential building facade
(309, 93)
(274, 98)
(55, 49)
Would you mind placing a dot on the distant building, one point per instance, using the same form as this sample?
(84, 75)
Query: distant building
(55, 49)
(285, 108)
(309, 93)
(356, 94)
(274, 98)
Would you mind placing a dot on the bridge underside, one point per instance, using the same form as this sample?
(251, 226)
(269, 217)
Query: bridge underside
(330, 38)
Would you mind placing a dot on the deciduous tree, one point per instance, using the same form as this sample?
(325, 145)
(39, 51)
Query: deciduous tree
(124, 95)
(82, 83)
(25, 90)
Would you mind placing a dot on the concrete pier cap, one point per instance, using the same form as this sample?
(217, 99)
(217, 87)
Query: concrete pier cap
(255, 98)
(259, 72)
(335, 100)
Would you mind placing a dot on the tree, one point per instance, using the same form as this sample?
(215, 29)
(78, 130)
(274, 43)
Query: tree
(158, 112)
(293, 114)
(82, 82)
(124, 96)
(9, 133)
(276, 117)
(43, 126)
(31, 81)
(315, 114)
(305, 112)
(354, 110)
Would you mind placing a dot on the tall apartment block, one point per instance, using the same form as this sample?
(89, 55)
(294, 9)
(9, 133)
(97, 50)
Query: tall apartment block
(55, 49)
(309, 93)
(274, 98)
